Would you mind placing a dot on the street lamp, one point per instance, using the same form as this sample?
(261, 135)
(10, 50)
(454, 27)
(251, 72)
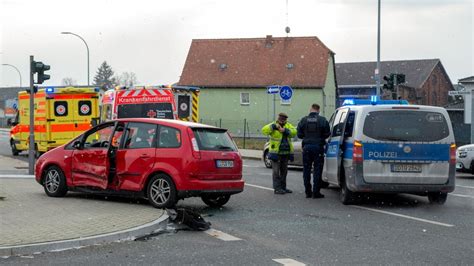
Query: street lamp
(71, 33)
(15, 69)
(377, 70)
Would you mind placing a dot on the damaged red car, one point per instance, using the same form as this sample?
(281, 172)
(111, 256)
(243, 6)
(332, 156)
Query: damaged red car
(161, 160)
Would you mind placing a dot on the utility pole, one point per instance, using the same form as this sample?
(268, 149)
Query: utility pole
(377, 70)
(31, 150)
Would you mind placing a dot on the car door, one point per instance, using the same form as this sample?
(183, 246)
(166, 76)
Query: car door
(298, 152)
(90, 162)
(332, 159)
(136, 155)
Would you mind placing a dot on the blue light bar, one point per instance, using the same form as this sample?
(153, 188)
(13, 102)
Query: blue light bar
(49, 90)
(372, 101)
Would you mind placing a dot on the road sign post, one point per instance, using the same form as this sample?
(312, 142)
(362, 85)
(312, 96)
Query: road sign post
(273, 90)
(31, 151)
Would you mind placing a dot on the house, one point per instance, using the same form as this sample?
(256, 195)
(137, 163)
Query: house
(233, 75)
(426, 83)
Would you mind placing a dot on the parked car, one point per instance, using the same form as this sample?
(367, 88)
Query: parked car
(465, 158)
(161, 160)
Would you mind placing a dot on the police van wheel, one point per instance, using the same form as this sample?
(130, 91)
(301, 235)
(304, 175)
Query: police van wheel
(346, 196)
(54, 182)
(15, 152)
(215, 201)
(472, 167)
(437, 197)
(266, 160)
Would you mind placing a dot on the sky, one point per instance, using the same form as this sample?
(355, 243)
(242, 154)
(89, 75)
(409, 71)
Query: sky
(152, 38)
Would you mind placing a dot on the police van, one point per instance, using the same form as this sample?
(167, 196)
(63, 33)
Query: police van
(390, 147)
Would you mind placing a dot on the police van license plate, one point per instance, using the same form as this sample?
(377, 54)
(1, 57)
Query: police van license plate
(406, 168)
(224, 164)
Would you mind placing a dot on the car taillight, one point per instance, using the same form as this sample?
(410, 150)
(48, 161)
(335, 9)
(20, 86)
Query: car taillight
(194, 144)
(357, 152)
(452, 154)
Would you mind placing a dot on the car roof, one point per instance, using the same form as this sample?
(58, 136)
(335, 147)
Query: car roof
(390, 106)
(166, 122)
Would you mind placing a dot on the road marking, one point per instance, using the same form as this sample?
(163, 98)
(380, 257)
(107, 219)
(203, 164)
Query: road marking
(17, 176)
(465, 186)
(289, 262)
(404, 216)
(461, 195)
(251, 166)
(221, 235)
(266, 188)
(267, 174)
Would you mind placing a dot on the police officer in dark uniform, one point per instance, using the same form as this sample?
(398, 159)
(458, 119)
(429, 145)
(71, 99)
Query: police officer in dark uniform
(314, 130)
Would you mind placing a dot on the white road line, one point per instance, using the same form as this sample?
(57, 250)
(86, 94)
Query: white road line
(465, 186)
(250, 185)
(251, 166)
(221, 235)
(17, 176)
(289, 262)
(461, 195)
(404, 216)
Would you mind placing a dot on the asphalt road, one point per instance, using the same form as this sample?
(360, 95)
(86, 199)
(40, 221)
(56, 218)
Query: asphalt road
(257, 228)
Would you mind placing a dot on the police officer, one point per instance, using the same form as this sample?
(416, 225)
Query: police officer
(314, 130)
(281, 150)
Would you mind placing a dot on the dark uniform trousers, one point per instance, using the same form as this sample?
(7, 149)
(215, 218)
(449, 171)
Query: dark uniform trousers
(313, 159)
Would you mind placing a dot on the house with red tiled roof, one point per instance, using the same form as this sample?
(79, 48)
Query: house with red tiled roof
(234, 74)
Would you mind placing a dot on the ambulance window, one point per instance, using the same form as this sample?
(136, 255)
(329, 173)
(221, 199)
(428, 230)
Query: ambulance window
(85, 108)
(106, 112)
(60, 108)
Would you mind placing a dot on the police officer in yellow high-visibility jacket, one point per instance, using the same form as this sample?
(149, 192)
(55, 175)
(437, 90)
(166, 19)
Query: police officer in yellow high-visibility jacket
(281, 150)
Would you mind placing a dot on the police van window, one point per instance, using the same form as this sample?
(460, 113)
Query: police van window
(349, 125)
(84, 108)
(60, 108)
(140, 135)
(169, 137)
(338, 123)
(406, 125)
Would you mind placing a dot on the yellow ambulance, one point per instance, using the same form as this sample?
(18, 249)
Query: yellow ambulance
(60, 114)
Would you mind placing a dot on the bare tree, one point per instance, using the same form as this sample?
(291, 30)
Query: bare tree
(68, 81)
(127, 79)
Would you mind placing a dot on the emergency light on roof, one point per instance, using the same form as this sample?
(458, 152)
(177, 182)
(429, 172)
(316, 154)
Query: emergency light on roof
(373, 101)
(49, 90)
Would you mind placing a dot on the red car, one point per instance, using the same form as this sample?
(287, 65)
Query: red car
(161, 160)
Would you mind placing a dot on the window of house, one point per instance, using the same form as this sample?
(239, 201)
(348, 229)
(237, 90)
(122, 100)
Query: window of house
(244, 98)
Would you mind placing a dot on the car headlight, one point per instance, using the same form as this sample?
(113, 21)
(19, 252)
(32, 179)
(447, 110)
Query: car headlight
(462, 154)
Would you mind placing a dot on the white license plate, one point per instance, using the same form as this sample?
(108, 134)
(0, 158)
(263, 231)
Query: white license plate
(224, 164)
(406, 168)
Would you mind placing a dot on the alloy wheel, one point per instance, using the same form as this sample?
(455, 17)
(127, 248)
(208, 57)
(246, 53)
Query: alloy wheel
(52, 181)
(160, 191)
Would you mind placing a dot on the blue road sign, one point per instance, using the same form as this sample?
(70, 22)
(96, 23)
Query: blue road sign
(286, 92)
(273, 89)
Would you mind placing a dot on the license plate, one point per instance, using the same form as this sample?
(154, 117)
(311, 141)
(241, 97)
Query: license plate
(224, 164)
(406, 168)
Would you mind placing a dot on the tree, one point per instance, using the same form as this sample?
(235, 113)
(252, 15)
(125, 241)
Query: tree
(127, 79)
(105, 77)
(68, 81)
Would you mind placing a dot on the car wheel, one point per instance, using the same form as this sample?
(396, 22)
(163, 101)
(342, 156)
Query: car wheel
(437, 197)
(161, 191)
(216, 201)
(346, 196)
(266, 160)
(15, 152)
(54, 182)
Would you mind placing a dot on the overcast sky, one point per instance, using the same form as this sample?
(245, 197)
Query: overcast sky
(152, 38)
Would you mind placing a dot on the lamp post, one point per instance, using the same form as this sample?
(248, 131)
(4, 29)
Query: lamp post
(71, 33)
(19, 73)
(377, 70)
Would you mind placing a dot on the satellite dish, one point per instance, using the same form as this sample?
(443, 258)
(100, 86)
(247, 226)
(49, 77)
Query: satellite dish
(287, 29)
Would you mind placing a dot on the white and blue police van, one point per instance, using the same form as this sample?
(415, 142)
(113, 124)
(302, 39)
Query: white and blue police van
(390, 147)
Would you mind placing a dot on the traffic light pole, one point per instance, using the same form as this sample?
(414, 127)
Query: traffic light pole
(31, 151)
(395, 85)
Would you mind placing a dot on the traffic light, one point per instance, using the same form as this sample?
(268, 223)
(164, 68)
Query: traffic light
(389, 85)
(40, 68)
(400, 78)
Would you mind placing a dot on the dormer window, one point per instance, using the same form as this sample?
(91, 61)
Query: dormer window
(290, 66)
(222, 66)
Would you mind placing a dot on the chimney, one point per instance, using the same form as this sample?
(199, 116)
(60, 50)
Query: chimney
(268, 41)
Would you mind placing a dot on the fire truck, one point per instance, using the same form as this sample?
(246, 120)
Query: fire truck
(167, 102)
(60, 114)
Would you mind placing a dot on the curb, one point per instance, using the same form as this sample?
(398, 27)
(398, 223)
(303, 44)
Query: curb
(127, 234)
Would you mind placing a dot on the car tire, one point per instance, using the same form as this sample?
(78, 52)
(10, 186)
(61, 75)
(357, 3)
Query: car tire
(161, 191)
(472, 167)
(266, 160)
(15, 152)
(437, 197)
(216, 201)
(54, 182)
(346, 196)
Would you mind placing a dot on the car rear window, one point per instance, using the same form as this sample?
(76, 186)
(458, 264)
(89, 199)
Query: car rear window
(214, 139)
(406, 125)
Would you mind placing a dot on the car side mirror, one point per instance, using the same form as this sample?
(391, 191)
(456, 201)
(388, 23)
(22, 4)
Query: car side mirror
(77, 145)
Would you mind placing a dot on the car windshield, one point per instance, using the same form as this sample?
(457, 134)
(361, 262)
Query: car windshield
(406, 126)
(214, 139)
